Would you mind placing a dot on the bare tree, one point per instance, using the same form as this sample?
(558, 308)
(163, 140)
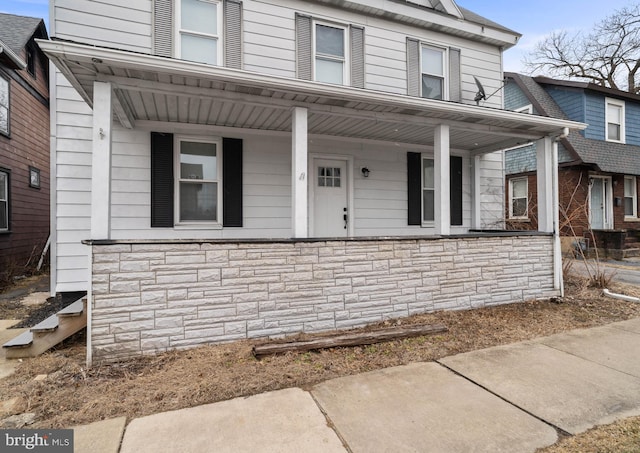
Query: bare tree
(608, 55)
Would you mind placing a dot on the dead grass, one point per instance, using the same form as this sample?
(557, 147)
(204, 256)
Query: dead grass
(72, 395)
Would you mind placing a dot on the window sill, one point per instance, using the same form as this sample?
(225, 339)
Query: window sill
(197, 226)
(631, 219)
(520, 219)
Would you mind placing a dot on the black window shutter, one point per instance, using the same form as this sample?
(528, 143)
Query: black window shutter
(161, 180)
(231, 182)
(414, 188)
(455, 181)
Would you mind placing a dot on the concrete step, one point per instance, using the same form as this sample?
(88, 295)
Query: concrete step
(49, 332)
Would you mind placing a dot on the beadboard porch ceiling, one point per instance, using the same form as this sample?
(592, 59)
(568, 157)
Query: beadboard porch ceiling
(150, 88)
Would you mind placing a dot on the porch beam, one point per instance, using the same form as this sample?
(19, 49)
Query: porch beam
(101, 161)
(124, 83)
(299, 162)
(122, 111)
(441, 155)
(544, 150)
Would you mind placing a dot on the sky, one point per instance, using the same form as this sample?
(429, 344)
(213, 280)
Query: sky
(534, 19)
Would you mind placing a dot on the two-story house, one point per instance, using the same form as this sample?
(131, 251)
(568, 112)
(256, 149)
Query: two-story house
(598, 167)
(24, 145)
(237, 169)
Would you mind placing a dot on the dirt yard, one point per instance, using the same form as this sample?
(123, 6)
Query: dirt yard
(70, 394)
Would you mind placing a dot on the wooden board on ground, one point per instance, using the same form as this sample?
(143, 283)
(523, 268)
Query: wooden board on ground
(351, 339)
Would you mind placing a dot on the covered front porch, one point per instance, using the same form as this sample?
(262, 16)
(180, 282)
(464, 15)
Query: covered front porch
(421, 178)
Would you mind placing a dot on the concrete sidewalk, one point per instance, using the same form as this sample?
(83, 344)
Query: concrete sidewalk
(513, 398)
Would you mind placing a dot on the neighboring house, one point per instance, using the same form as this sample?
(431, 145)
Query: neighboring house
(24, 145)
(240, 169)
(599, 167)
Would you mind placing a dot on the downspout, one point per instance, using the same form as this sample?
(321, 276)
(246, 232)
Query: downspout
(558, 283)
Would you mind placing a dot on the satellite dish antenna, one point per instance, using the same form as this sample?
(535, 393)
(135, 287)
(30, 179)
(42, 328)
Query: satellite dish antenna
(480, 95)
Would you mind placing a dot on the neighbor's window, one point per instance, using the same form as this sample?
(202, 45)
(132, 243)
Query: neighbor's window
(428, 190)
(518, 200)
(330, 54)
(433, 72)
(630, 197)
(615, 121)
(199, 25)
(4, 106)
(198, 185)
(31, 60)
(4, 201)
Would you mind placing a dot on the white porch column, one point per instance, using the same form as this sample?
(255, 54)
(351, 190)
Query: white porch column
(476, 194)
(101, 162)
(545, 172)
(558, 282)
(441, 155)
(299, 186)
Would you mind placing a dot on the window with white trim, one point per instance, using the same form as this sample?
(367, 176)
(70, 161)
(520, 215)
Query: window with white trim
(615, 130)
(4, 106)
(330, 53)
(519, 198)
(630, 197)
(525, 109)
(432, 72)
(199, 32)
(428, 190)
(4, 201)
(199, 175)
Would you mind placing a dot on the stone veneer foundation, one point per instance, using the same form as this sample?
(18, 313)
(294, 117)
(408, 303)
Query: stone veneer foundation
(150, 296)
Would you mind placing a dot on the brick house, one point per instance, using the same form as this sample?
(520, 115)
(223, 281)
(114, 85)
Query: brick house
(599, 167)
(283, 167)
(24, 145)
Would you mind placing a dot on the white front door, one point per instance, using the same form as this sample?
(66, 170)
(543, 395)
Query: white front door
(600, 203)
(330, 209)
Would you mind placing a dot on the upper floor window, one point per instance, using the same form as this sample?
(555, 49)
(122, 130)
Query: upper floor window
(4, 106)
(518, 198)
(615, 121)
(428, 190)
(31, 60)
(525, 109)
(199, 175)
(330, 54)
(432, 64)
(199, 31)
(630, 197)
(4, 200)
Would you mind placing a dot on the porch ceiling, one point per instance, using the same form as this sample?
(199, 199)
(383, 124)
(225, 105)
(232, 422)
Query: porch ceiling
(150, 88)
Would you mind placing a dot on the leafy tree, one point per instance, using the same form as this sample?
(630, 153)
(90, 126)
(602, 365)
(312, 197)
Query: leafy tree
(608, 55)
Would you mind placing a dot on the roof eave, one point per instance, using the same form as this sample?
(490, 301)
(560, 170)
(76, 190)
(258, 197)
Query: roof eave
(4, 49)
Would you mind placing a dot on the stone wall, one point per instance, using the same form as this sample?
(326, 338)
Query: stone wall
(152, 297)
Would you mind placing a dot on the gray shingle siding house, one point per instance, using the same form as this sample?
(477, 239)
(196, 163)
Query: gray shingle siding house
(599, 167)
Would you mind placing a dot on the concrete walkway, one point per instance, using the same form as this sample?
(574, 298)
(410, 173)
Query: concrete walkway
(513, 398)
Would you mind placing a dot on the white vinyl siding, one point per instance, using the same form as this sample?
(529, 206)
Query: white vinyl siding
(630, 197)
(120, 24)
(615, 128)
